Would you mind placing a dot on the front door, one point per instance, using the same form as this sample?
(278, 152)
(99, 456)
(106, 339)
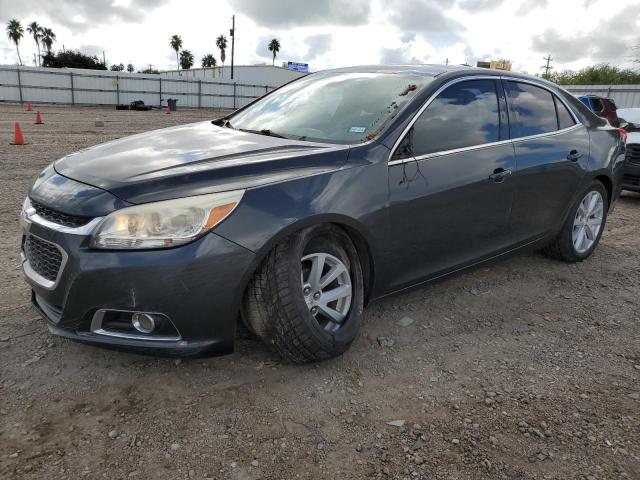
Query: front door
(450, 184)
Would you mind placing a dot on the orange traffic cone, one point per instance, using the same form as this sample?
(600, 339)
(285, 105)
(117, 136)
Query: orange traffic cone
(168, 111)
(39, 119)
(29, 108)
(18, 138)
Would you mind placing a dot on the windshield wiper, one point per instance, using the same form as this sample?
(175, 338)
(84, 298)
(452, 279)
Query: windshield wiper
(264, 131)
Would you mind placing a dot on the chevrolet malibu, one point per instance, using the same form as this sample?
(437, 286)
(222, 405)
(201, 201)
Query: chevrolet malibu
(293, 213)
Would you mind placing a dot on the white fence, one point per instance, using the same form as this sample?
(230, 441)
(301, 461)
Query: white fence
(98, 87)
(625, 96)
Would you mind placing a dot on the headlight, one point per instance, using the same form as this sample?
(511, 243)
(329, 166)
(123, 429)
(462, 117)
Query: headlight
(164, 224)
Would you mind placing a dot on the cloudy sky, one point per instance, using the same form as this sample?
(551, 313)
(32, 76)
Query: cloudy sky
(333, 33)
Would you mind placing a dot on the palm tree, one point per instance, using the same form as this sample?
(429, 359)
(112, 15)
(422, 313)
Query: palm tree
(274, 47)
(221, 43)
(47, 39)
(176, 44)
(186, 59)
(36, 32)
(15, 32)
(209, 61)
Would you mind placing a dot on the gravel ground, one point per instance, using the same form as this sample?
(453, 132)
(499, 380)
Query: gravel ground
(527, 369)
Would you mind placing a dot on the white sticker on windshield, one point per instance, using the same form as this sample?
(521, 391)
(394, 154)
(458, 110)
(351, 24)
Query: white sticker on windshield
(357, 129)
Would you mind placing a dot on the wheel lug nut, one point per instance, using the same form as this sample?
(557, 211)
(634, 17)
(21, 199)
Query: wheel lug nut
(307, 290)
(314, 310)
(316, 295)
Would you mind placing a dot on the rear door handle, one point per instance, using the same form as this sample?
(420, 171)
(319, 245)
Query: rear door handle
(499, 174)
(574, 155)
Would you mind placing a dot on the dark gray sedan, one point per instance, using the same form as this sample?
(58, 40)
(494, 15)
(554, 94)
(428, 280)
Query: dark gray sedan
(296, 211)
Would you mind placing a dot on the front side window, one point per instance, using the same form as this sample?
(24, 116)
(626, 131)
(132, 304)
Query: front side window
(464, 115)
(339, 107)
(534, 108)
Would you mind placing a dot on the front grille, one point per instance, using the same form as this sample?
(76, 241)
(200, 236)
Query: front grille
(44, 257)
(60, 218)
(633, 153)
(633, 180)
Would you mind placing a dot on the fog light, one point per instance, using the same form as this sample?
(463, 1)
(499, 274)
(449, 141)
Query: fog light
(143, 322)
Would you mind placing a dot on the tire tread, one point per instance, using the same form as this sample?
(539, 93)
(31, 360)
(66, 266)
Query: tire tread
(272, 312)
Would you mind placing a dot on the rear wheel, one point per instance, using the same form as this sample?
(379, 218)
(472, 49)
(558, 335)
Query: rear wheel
(583, 228)
(306, 298)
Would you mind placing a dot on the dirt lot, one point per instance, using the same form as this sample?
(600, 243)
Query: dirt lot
(528, 369)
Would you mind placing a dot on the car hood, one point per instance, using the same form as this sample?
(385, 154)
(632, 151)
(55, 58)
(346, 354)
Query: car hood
(195, 159)
(631, 115)
(633, 138)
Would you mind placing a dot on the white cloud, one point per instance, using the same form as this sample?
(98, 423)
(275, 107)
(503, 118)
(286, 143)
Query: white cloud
(334, 33)
(291, 13)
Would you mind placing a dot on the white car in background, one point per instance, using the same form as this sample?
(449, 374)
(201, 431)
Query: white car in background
(631, 117)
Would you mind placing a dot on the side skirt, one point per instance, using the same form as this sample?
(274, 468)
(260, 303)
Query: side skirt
(530, 246)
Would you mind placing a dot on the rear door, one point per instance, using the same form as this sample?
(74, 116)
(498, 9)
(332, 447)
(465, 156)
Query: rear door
(450, 183)
(552, 151)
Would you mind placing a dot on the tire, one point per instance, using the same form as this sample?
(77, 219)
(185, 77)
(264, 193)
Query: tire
(278, 308)
(564, 246)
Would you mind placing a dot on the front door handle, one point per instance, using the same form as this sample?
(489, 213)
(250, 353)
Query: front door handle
(574, 155)
(499, 174)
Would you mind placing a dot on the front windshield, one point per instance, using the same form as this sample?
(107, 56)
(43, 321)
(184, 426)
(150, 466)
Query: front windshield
(333, 107)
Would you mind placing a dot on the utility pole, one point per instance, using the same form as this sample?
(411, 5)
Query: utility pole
(546, 67)
(232, 32)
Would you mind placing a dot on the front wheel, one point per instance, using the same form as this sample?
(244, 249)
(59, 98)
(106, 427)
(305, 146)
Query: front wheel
(583, 228)
(306, 298)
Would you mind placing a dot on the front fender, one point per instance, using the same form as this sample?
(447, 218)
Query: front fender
(354, 198)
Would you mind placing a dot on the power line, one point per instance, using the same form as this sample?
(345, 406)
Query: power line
(547, 67)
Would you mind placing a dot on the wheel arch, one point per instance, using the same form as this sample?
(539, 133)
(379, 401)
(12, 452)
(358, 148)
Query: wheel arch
(355, 230)
(608, 185)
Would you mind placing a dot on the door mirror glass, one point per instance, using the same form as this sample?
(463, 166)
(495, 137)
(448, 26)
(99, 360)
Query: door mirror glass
(404, 150)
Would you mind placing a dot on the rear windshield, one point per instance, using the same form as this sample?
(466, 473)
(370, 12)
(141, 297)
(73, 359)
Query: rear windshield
(336, 107)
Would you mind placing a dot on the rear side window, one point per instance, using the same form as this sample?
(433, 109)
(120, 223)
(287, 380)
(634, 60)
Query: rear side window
(565, 119)
(534, 109)
(463, 115)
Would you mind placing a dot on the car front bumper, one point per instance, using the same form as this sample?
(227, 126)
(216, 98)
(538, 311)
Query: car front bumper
(197, 287)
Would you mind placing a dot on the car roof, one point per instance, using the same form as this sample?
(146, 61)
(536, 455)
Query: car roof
(427, 69)
(434, 70)
(448, 72)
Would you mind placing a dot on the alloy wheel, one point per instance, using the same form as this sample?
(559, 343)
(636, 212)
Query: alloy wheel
(327, 289)
(588, 221)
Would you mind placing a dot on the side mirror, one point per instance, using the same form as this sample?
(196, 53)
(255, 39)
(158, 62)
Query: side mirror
(404, 149)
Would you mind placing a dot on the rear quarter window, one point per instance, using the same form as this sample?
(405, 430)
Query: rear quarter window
(565, 119)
